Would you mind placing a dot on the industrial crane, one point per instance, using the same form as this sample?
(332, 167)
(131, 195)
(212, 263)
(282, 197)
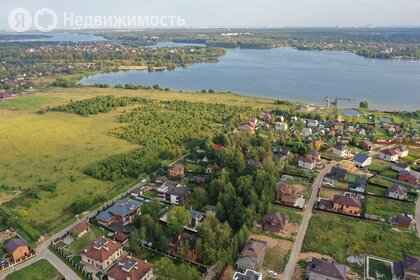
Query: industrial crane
(333, 101)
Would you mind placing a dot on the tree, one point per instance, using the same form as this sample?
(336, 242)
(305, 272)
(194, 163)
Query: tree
(135, 242)
(364, 104)
(198, 198)
(177, 217)
(166, 269)
(152, 208)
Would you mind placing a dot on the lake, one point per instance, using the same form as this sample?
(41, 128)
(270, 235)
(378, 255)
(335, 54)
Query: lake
(286, 73)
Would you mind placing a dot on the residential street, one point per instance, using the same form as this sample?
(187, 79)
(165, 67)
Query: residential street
(294, 256)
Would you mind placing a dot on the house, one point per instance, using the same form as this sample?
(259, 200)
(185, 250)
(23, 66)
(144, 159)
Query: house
(209, 168)
(411, 266)
(402, 221)
(80, 229)
(315, 155)
(322, 269)
(130, 268)
(306, 131)
(247, 275)
(347, 204)
(362, 160)
(252, 255)
(360, 185)
(173, 192)
(265, 116)
(338, 173)
(402, 151)
(137, 192)
(197, 218)
(283, 152)
(17, 249)
(274, 222)
(281, 126)
(339, 126)
(198, 180)
(121, 211)
(340, 150)
(312, 123)
(184, 239)
(121, 237)
(280, 119)
(307, 162)
(286, 194)
(176, 171)
(388, 155)
(318, 144)
(411, 177)
(101, 253)
(399, 167)
(397, 192)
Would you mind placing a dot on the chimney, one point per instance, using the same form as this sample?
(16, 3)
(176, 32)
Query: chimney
(85, 250)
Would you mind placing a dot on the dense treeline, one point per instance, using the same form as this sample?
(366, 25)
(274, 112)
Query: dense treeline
(100, 104)
(164, 130)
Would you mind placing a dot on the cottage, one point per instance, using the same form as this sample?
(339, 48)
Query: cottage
(402, 221)
(399, 167)
(101, 253)
(252, 255)
(338, 173)
(130, 268)
(275, 222)
(347, 204)
(306, 131)
(360, 185)
(80, 229)
(281, 126)
(340, 150)
(339, 126)
(197, 218)
(122, 211)
(247, 129)
(176, 171)
(312, 123)
(173, 192)
(209, 168)
(322, 269)
(198, 180)
(286, 194)
(307, 162)
(397, 192)
(283, 152)
(17, 249)
(411, 266)
(389, 155)
(185, 240)
(411, 177)
(362, 160)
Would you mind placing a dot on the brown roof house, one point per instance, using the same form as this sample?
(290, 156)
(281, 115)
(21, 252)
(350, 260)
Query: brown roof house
(131, 268)
(275, 222)
(80, 229)
(184, 239)
(101, 253)
(286, 194)
(402, 221)
(307, 162)
(347, 205)
(17, 249)
(252, 255)
(322, 269)
(177, 170)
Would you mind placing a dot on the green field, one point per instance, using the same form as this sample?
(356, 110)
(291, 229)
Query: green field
(55, 148)
(386, 208)
(40, 270)
(340, 237)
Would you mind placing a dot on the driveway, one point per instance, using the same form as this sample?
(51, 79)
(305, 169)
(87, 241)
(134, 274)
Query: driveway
(297, 246)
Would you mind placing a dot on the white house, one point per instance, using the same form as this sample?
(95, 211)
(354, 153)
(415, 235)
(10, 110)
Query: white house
(312, 123)
(388, 155)
(397, 192)
(307, 162)
(281, 126)
(340, 150)
(306, 131)
(362, 160)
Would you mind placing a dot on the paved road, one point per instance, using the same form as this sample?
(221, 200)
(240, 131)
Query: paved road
(294, 256)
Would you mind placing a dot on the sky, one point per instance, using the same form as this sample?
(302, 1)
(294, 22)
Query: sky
(238, 13)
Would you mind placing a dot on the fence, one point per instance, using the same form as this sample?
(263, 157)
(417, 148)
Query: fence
(71, 261)
(9, 265)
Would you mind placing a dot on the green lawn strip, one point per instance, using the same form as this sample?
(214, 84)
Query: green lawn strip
(379, 270)
(76, 246)
(386, 208)
(295, 215)
(377, 190)
(40, 270)
(63, 259)
(339, 237)
(390, 174)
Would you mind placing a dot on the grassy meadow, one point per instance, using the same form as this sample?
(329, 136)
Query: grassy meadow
(55, 148)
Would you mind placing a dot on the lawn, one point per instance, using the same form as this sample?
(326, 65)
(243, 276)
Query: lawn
(295, 215)
(386, 208)
(150, 194)
(390, 174)
(379, 165)
(339, 237)
(379, 270)
(40, 270)
(76, 246)
(328, 193)
(377, 190)
(275, 259)
(55, 148)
